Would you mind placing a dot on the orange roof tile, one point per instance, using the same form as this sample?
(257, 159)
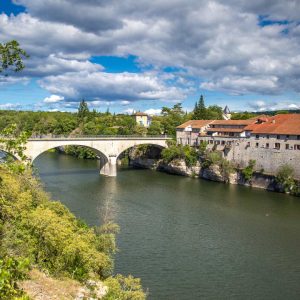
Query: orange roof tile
(195, 123)
(139, 114)
(222, 129)
(279, 124)
(234, 122)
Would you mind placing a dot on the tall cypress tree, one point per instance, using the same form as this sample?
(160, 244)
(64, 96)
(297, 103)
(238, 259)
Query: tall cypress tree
(83, 111)
(200, 112)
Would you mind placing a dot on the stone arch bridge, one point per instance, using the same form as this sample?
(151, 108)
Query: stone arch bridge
(108, 148)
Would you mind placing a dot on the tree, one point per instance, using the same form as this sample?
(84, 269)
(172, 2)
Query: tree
(83, 111)
(11, 56)
(200, 112)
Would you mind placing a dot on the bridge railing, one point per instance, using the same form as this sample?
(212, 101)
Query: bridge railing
(63, 137)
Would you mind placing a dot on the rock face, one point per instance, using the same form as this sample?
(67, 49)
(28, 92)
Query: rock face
(179, 167)
(213, 173)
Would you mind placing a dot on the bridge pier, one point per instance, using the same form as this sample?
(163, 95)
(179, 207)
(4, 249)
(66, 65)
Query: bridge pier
(109, 167)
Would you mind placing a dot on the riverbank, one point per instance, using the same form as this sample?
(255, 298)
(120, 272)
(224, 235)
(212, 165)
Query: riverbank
(64, 254)
(212, 173)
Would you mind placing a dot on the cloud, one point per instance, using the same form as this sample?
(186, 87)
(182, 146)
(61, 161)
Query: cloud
(153, 111)
(261, 105)
(110, 87)
(129, 111)
(53, 99)
(217, 45)
(10, 106)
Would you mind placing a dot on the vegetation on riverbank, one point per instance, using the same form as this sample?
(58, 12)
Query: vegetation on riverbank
(38, 233)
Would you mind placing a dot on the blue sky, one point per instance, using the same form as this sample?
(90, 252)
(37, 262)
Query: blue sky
(244, 55)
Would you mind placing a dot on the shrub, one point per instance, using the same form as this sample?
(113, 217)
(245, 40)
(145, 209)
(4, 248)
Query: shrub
(202, 148)
(285, 177)
(212, 158)
(120, 287)
(249, 170)
(11, 272)
(187, 153)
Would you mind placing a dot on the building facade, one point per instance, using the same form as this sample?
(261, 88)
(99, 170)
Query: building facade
(271, 141)
(142, 119)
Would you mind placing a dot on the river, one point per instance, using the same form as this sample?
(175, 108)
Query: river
(187, 238)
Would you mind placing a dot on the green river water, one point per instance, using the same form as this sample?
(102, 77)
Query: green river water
(187, 238)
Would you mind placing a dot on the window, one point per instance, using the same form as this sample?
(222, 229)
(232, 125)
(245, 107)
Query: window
(257, 136)
(268, 136)
(223, 142)
(278, 137)
(277, 146)
(256, 145)
(267, 145)
(287, 146)
(248, 144)
(297, 147)
(287, 136)
(298, 137)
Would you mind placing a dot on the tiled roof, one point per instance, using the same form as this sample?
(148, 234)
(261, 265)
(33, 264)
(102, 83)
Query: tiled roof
(222, 129)
(279, 124)
(195, 123)
(233, 122)
(139, 114)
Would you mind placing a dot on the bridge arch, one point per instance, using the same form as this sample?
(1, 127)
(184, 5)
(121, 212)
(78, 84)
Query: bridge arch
(96, 151)
(108, 148)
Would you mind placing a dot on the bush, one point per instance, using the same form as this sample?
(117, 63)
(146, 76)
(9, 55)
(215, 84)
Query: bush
(11, 272)
(80, 152)
(285, 177)
(212, 158)
(249, 170)
(186, 153)
(120, 287)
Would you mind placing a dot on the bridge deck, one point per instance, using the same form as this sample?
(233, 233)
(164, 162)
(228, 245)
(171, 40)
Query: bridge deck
(99, 138)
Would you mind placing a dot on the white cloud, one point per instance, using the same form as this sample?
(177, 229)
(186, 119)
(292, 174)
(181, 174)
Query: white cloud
(218, 43)
(110, 87)
(54, 99)
(153, 111)
(129, 111)
(261, 105)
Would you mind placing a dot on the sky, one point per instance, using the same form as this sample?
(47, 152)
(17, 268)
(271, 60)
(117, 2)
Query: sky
(142, 55)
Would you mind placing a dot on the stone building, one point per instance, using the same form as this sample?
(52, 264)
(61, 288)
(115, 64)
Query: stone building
(142, 119)
(271, 141)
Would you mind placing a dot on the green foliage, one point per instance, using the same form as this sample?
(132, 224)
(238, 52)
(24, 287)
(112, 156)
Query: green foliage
(202, 148)
(187, 153)
(242, 116)
(215, 158)
(200, 112)
(285, 177)
(80, 152)
(13, 142)
(124, 288)
(155, 128)
(171, 118)
(11, 56)
(212, 158)
(83, 111)
(249, 170)
(47, 233)
(11, 272)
